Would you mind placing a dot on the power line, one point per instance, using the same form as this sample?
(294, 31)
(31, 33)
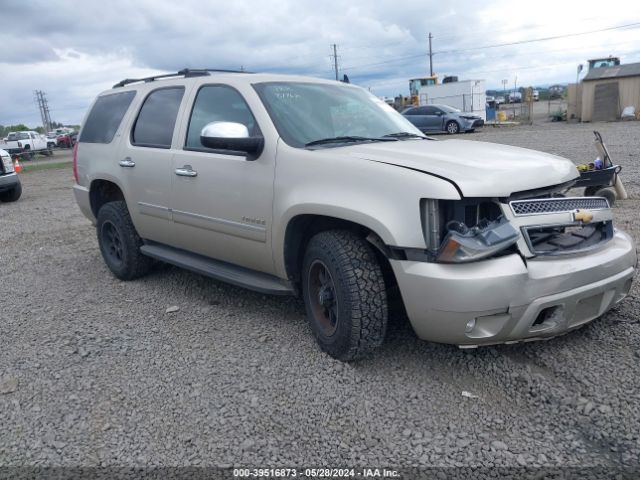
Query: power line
(543, 39)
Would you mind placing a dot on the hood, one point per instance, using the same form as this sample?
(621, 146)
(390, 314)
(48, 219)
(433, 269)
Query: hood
(479, 169)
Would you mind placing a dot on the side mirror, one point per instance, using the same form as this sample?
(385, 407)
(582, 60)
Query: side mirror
(231, 136)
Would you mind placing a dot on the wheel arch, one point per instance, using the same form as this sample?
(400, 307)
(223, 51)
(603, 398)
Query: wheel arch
(102, 191)
(302, 227)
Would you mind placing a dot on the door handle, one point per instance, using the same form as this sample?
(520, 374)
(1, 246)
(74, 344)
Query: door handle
(186, 171)
(127, 162)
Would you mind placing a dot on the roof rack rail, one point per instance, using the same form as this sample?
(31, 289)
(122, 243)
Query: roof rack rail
(185, 72)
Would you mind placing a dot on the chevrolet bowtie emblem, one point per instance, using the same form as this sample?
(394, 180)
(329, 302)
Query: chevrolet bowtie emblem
(583, 216)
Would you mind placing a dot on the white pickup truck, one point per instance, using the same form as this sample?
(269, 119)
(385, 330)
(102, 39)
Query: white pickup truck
(27, 143)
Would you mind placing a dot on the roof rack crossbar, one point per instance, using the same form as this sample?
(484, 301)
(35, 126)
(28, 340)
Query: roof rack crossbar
(185, 72)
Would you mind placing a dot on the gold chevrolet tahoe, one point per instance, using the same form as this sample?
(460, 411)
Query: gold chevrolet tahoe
(298, 186)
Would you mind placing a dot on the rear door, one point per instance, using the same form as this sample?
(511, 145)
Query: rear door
(418, 117)
(145, 163)
(223, 208)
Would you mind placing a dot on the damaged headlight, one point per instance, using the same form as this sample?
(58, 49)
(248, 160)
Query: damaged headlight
(8, 164)
(463, 244)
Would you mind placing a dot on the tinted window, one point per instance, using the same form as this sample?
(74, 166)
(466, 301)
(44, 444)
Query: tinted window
(105, 117)
(157, 118)
(217, 103)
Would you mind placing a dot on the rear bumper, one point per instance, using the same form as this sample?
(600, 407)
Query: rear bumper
(504, 300)
(81, 195)
(8, 181)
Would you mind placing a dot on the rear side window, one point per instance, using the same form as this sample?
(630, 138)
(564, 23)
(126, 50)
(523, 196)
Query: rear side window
(157, 118)
(105, 117)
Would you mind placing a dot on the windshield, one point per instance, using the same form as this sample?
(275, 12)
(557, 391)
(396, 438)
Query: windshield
(448, 109)
(308, 112)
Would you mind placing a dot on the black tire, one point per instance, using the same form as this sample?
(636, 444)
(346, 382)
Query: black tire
(607, 193)
(452, 127)
(12, 195)
(120, 243)
(29, 154)
(348, 313)
(591, 191)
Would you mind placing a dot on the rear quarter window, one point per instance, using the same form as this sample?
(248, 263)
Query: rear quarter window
(105, 117)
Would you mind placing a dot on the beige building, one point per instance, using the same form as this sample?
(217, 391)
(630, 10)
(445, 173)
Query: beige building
(606, 91)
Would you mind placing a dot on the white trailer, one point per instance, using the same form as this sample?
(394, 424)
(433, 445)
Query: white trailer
(467, 96)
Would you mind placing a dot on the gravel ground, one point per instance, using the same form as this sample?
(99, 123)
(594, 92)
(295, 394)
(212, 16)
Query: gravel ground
(94, 372)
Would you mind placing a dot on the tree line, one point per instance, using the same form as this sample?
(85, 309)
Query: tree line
(21, 127)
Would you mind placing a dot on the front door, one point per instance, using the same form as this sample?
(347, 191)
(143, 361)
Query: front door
(221, 202)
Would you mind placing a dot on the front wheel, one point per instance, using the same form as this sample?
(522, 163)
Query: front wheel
(12, 195)
(344, 294)
(452, 127)
(120, 243)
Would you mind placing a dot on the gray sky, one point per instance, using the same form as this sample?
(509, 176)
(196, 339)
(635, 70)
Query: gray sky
(72, 50)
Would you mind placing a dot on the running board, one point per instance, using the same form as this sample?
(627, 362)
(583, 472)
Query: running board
(239, 276)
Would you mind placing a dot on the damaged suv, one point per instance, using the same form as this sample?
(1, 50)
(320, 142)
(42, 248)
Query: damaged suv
(300, 186)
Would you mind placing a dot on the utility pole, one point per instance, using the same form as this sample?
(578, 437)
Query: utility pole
(430, 56)
(43, 106)
(335, 59)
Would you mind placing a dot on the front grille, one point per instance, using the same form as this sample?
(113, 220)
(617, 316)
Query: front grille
(557, 205)
(559, 239)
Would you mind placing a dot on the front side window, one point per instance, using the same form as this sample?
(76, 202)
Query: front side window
(217, 103)
(157, 118)
(307, 112)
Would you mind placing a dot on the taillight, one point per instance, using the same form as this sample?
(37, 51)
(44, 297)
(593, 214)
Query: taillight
(75, 162)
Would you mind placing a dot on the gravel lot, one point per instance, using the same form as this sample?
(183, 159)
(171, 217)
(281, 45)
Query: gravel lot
(94, 372)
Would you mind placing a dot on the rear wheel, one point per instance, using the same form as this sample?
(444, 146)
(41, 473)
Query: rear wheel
(12, 195)
(344, 294)
(607, 193)
(120, 243)
(28, 153)
(452, 127)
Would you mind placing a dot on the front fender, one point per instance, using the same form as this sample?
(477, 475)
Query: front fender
(381, 197)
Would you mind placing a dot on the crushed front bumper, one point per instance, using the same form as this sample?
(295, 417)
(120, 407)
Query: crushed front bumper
(505, 300)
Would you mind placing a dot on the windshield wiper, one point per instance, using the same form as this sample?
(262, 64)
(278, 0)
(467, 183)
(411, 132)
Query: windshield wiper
(349, 138)
(406, 135)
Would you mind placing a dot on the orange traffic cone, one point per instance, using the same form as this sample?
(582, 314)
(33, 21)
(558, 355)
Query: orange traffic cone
(17, 167)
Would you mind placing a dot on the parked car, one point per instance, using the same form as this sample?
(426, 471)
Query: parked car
(500, 100)
(52, 140)
(27, 143)
(302, 186)
(65, 140)
(556, 92)
(442, 118)
(515, 97)
(10, 186)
